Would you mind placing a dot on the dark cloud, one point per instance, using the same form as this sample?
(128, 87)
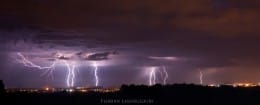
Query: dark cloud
(98, 56)
(116, 17)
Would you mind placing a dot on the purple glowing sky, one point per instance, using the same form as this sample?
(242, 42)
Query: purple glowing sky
(218, 37)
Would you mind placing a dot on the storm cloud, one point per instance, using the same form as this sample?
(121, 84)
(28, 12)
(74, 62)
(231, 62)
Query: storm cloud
(220, 37)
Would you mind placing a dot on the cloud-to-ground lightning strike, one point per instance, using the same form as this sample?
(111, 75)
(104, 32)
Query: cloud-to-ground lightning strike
(71, 74)
(201, 78)
(153, 76)
(96, 75)
(166, 75)
(66, 60)
(70, 67)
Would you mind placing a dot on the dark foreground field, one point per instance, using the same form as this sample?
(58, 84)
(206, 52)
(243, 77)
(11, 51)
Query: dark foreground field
(170, 94)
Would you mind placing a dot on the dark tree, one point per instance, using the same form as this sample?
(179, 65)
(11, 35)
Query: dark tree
(2, 86)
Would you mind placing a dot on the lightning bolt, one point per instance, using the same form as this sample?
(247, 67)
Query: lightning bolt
(70, 74)
(152, 77)
(95, 72)
(201, 78)
(165, 76)
(27, 63)
(49, 69)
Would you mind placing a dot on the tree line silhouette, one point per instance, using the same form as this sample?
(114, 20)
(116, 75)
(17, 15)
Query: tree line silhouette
(176, 94)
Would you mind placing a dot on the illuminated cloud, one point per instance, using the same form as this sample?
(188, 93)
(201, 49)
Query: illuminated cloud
(167, 58)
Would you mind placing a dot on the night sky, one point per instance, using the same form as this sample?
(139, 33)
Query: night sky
(221, 38)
